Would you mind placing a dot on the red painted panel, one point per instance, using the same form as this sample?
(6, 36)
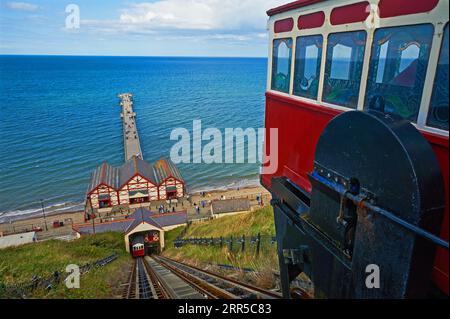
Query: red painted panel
(310, 21)
(284, 25)
(300, 125)
(292, 6)
(441, 266)
(394, 8)
(352, 13)
(138, 253)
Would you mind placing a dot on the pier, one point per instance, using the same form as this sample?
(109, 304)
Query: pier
(136, 182)
(131, 142)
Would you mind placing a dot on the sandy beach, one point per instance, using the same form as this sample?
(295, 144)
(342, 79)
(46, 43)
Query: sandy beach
(70, 218)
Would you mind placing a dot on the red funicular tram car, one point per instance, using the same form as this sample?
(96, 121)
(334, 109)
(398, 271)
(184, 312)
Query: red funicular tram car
(138, 250)
(358, 91)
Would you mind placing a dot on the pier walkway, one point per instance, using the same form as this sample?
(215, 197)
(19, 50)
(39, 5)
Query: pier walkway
(131, 142)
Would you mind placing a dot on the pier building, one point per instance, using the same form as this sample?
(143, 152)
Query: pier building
(136, 181)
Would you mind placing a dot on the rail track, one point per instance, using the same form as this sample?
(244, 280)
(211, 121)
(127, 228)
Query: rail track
(164, 278)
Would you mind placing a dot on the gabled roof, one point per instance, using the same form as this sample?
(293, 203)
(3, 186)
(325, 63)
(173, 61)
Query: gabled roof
(142, 219)
(115, 226)
(171, 219)
(162, 220)
(141, 215)
(165, 168)
(116, 178)
(105, 174)
(135, 166)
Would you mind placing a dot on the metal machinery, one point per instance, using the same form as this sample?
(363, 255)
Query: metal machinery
(377, 199)
(360, 198)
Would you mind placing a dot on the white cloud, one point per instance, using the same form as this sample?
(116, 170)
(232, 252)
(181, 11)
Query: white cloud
(232, 22)
(22, 6)
(200, 14)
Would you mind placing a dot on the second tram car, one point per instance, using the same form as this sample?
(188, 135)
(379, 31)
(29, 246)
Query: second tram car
(331, 57)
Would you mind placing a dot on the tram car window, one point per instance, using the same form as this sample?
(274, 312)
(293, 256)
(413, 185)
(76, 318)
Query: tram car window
(345, 58)
(307, 66)
(438, 113)
(398, 68)
(281, 70)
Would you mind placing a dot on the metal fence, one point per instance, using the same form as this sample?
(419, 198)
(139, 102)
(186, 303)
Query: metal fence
(235, 244)
(22, 290)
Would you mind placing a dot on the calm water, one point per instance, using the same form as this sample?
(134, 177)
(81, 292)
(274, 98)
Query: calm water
(59, 119)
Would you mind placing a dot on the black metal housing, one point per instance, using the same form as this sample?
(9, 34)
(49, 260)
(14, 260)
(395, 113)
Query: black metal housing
(377, 199)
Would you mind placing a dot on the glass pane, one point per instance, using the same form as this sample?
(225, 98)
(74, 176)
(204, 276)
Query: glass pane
(397, 70)
(438, 115)
(281, 66)
(345, 58)
(342, 59)
(307, 66)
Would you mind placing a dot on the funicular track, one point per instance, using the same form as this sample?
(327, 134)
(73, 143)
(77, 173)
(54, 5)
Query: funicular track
(142, 283)
(163, 278)
(129, 291)
(213, 285)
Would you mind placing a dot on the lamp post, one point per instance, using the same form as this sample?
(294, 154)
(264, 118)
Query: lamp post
(43, 213)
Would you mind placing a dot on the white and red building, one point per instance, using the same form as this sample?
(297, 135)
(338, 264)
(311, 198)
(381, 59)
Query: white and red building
(170, 182)
(135, 182)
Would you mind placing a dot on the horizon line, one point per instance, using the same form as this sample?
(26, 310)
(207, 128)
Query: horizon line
(134, 56)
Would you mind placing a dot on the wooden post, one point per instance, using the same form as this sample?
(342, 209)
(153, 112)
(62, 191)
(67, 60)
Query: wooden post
(243, 243)
(258, 244)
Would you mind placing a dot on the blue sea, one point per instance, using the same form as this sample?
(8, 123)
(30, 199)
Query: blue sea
(60, 118)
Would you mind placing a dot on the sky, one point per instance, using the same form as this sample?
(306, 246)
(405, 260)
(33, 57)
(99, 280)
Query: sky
(136, 28)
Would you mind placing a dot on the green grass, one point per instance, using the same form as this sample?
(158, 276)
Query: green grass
(249, 224)
(171, 235)
(19, 264)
